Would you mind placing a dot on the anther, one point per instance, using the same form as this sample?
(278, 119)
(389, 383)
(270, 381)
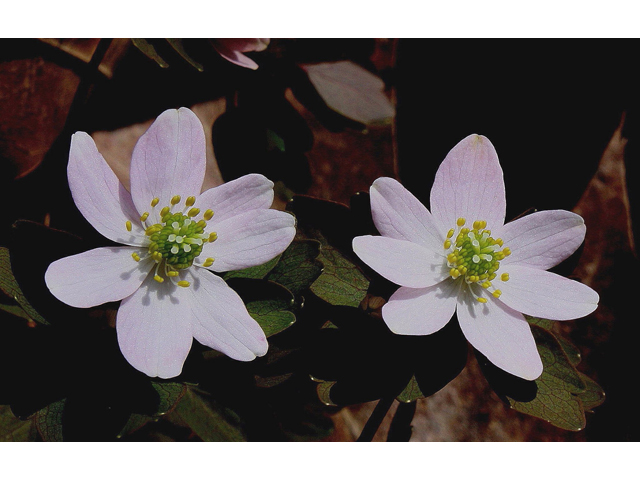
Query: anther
(172, 273)
(213, 236)
(144, 217)
(481, 300)
(128, 225)
(450, 233)
(135, 256)
(155, 202)
(504, 277)
(175, 199)
(447, 244)
(208, 262)
(158, 278)
(164, 211)
(183, 283)
(208, 214)
(193, 212)
(497, 293)
(461, 221)
(190, 201)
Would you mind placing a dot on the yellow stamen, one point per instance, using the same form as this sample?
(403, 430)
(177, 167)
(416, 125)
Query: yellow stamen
(172, 273)
(450, 233)
(164, 211)
(504, 277)
(190, 201)
(497, 293)
(175, 199)
(158, 279)
(183, 283)
(135, 256)
(213, 237)
(447, 244)
(144, 217)
(155, 202)
(461, 221)
(193, 212)
(128, 225)
(481, 300)
(208, 214)
(208, 262)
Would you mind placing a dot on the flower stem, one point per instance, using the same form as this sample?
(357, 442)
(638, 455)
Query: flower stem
(376, 418)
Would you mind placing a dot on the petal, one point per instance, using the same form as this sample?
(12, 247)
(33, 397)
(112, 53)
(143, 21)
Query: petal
(404, 263)
(99, 195)
(220, 319)
(543, 239)
(249, 192)
(400, 215)
(169, 159)
(544, 294)
(97, 276)
(230, 49)
(500, 334)
(469, 184)
(421, 311)
(154, 329)
(249, 239)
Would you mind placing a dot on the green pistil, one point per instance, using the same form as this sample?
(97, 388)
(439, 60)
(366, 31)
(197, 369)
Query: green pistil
(178, 239)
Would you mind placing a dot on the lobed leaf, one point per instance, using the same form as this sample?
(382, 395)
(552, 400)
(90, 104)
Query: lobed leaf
(13, 429)
(298, 266)
(49, 421)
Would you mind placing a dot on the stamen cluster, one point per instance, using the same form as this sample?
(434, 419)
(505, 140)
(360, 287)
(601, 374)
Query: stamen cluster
(474, 255)
(177, 241)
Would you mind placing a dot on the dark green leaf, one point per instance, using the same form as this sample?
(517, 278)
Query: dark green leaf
(593, 396)
(149, 50)
(10, 287)
(272, 315)
(257, 272)
(170, 394)
(49, 421)
(16, 310)
(13, 429)
(135, 422)
(341, 282)
(298, 267)
(324, 389)
(177, 45)
(556, 399)
(209, 421)
(411, 393)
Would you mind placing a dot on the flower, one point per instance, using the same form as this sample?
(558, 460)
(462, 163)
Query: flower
(232, 49)
(172, 241)
(462, 257)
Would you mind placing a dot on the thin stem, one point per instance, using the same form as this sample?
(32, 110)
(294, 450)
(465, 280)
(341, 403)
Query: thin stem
(376, 418)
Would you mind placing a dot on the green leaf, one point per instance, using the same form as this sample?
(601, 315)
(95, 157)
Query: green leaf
(16, 310)
(593, 396)
(169, 393)
(324, 389)
(13, 429)
(209, 421)
(411, 392)
(272, 315)
(177, 45)
(298, 267)
(10, 287)
(49, 421)
(149, 50)
(556, 399)
(136, 421)
(274, 141)
(341, 282)
(257, 272)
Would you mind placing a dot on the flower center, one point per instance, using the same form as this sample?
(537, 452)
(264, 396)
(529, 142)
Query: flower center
(473, 254)
(175, 242)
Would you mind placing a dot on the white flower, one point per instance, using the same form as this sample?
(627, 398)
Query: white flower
(462, 257)
(173, 235)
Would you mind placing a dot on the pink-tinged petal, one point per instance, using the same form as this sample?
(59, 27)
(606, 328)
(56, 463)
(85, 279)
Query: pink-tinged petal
(421, 311)
(400, 215)
(154, 328)
(99, 195)
(544, 294)
(249, 239)
(97, 276)
(404, 263)
(501, 334)
(231, 49)
(543, 239)
(469, 184)
(169, 159)
(249, 192)
(220, 319)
